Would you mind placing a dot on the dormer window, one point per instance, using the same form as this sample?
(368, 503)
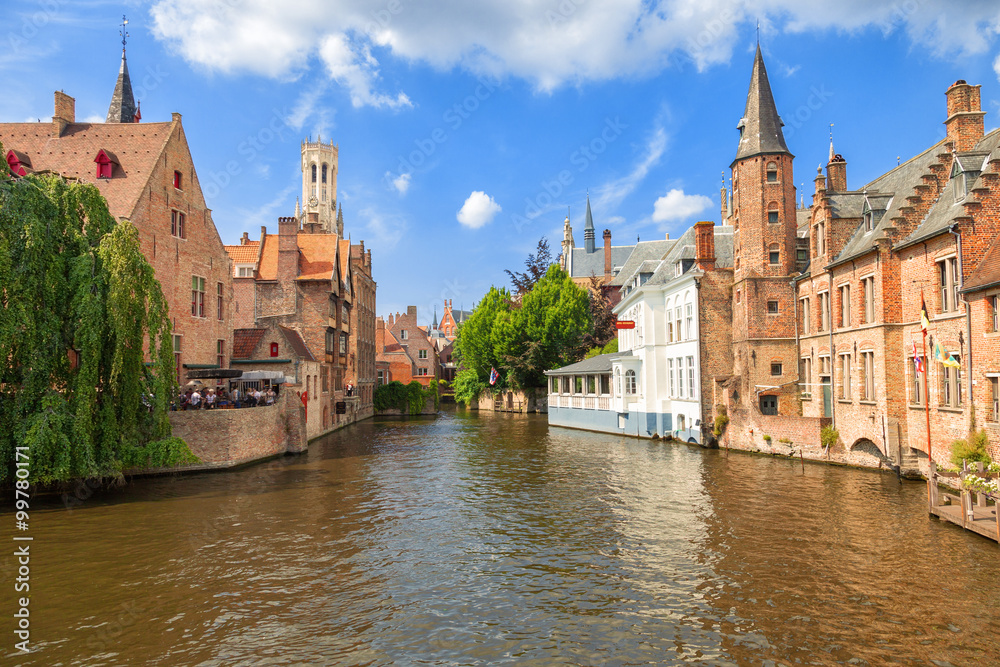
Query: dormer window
(772, 172)
(177, 180)
(18, 162)
(105, 161)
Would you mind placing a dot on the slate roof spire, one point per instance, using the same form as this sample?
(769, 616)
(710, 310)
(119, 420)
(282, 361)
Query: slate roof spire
(122, 109)
(760, 127)
(588, 230)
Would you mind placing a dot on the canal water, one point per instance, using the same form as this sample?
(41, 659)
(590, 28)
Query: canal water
(486, 539)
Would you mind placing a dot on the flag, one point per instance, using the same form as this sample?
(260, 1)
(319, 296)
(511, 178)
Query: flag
(924, 322)
(305, 398)
(942, 356)
(917, 359)
(494, 376)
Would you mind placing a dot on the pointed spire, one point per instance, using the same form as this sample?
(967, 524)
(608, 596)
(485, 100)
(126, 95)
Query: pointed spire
(831, 143)
(760, 127)
(298, 209)
(340, 220)
(588, 230)
(122, 109)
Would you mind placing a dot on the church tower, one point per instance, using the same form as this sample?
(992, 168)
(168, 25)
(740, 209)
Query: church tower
(567, 246)
(319, 188)
(122, 108)
(763, 215)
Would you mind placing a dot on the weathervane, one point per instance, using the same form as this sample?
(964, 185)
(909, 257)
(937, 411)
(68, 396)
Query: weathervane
(122, 32)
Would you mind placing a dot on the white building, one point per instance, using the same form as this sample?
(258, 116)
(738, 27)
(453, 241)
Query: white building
(655, 387)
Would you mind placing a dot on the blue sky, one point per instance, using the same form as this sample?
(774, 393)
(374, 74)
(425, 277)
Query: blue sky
(466, 129)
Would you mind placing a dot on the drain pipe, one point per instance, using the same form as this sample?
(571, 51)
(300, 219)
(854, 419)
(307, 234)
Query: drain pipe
(833, 355)
(954, 231)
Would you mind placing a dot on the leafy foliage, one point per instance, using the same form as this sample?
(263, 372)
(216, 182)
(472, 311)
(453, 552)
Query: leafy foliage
(545, 331)
(81, 312)
(829, 436)
(972, 450)
(407, 398)
(602, 316)
(721, 420)
(611, 347)
(536, 264)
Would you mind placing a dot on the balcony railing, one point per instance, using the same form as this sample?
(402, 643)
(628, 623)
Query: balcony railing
(581, 402)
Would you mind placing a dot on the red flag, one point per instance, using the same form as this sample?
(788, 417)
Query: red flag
(305, 398)
(138, 114)
(917, 360)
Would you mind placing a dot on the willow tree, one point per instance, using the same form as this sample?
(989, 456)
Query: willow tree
(86, 359)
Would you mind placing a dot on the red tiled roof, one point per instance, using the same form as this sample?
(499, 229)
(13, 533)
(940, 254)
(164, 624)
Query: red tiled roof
(317, 253)
(135, 146)
(243, 253)
(245, 341)
(295, 340)
(988, 271)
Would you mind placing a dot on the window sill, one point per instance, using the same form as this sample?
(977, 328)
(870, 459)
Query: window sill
(948, 408)
(805, 397)
(867, 402)
(846, 401)
(916, 406)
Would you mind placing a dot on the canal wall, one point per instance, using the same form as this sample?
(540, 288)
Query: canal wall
(227, 438)
(747, 429)
(513, 401)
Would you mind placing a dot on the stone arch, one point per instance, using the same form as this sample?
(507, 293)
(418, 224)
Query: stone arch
(866, 452)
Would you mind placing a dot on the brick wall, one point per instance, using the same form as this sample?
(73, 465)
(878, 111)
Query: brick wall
(225, 438)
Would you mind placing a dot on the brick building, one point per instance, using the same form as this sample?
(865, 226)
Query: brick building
(835, 341)
(362, 356)
(307, 277)
(585, 263)
(146, 174)
(406, 348)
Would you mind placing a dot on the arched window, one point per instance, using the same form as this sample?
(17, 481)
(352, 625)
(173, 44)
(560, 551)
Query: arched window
(773, 254)
(772, 212)
(324, 172)
(629, 382)
(772, 172)
(314, 173)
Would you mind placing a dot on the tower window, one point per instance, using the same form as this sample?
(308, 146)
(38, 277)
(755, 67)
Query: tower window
(772, 172)
(774, 255)
(772, 307)
(324, 173)
(772, 212)
(314, 173)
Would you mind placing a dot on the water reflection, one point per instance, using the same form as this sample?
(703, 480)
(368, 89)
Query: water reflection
(481, 539)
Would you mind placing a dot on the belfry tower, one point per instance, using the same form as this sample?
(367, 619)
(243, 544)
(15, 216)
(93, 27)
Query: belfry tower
(764, 255)
(319, 188)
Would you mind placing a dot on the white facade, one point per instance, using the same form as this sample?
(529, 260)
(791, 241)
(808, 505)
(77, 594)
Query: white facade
(665, 354)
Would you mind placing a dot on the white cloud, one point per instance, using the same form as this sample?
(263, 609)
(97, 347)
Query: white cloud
(381, 230)
(676, 206)
(478, 210)
(354, 67)
(401, 183)
(996, 67)
(545, 42)
(612, 193)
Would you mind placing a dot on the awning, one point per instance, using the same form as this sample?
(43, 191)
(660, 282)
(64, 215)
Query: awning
(273, 376)
(231, 373)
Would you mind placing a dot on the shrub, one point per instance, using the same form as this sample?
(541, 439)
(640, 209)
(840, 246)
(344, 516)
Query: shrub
(785, 441)
(767, 438)
(829, 437)
(721, 420)
(391, 396)
(972, 450)
(611, 347)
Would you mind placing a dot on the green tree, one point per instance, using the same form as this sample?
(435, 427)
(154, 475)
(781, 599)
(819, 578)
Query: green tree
(475, 346)
(536, 264)
(82, 312)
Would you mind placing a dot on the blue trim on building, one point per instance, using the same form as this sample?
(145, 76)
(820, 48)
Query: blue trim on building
(638, 424)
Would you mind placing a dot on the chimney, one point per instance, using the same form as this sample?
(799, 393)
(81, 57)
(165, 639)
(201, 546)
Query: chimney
(704, 234)
(65, 113)
(362, 246)
(379, 335)
(411, 310)
(245, 239)
(288, 249)
(836, 174)
(666, 237)
(723, 201)
(391, 321)
(607, 254)
(965, 117)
